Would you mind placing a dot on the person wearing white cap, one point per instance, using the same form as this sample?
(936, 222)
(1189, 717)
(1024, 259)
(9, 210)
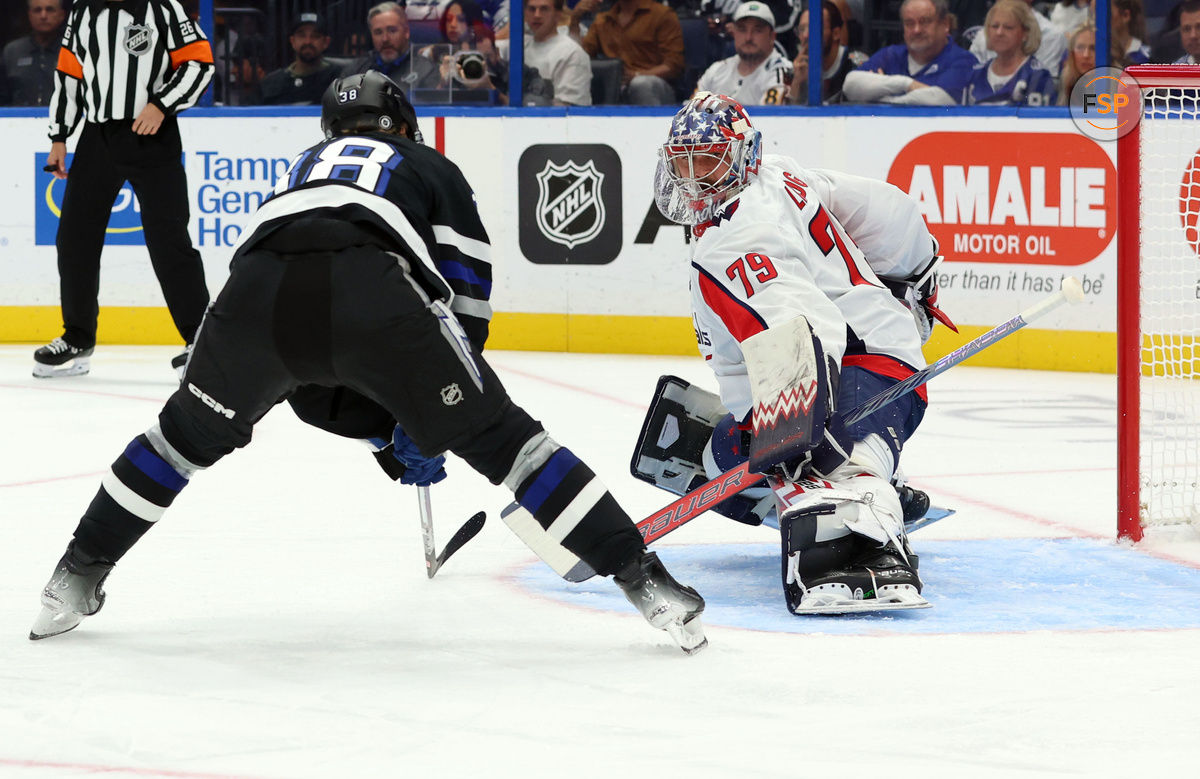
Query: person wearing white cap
(758, 74)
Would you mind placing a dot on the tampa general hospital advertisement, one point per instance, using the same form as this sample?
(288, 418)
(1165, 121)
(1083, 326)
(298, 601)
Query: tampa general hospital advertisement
(583, 260)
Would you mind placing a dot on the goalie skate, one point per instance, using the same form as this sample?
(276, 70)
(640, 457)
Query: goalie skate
(845, 551)
(863, 589)
(665, 603)
(74, 591)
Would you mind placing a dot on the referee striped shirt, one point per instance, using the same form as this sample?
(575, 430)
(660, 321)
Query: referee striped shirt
(119, 55)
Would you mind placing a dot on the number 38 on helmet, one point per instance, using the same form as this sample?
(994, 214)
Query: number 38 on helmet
(368, 102)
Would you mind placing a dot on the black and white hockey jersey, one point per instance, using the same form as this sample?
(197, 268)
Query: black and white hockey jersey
(410, 195)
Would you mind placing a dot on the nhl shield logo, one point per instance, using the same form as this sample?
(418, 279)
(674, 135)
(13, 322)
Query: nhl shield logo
(570, 209)
(138, 39)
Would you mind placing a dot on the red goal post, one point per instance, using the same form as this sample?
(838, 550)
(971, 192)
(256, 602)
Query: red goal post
(1158, 304)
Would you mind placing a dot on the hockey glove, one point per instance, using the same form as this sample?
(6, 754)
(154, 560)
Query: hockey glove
(919, 292)
(418, 469)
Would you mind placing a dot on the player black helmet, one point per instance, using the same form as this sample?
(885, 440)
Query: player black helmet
(367, 102)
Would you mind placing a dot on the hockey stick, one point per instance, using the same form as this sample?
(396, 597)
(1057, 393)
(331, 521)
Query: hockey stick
(470, 528)
(730, 483)
(1070, 292)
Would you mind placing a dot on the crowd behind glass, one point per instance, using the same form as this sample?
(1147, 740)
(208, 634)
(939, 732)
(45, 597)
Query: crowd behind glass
(589, 52)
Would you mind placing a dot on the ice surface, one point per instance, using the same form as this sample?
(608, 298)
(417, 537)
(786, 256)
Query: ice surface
(278, 622)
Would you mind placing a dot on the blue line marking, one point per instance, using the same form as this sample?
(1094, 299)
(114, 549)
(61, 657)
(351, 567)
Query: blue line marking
(990, 586)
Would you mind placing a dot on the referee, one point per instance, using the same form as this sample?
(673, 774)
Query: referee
(126, 68)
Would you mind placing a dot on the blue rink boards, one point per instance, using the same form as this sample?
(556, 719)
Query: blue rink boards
(977, 586)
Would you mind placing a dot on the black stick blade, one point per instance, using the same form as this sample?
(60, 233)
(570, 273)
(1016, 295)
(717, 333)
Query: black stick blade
(469, 530)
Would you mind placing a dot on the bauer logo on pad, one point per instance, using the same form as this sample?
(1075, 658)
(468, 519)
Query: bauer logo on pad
(569, 196)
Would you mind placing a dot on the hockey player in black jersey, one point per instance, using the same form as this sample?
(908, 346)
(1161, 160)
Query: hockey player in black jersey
(359, 292)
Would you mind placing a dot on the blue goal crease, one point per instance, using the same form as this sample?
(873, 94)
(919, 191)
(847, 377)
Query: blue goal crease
(976, 586)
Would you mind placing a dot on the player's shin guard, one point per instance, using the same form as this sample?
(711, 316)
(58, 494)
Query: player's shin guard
(573, 505)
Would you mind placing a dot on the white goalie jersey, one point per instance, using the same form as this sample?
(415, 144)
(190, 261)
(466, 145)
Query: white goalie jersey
(793, 244)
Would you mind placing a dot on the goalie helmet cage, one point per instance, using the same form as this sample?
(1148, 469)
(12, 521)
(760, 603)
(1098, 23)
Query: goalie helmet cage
(1158, 304)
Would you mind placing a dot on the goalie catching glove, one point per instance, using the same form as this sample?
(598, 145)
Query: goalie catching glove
(919, 293)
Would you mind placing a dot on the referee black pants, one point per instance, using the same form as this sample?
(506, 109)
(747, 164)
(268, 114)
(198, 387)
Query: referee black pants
(108, 155)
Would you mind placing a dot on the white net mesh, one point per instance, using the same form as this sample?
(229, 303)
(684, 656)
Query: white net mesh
(1169, 466)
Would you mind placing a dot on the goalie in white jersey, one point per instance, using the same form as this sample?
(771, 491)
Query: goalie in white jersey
(800, 328)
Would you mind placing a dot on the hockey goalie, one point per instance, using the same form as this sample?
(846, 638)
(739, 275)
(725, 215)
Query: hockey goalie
(811, 292)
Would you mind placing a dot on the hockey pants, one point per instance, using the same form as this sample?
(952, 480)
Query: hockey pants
(352, 319)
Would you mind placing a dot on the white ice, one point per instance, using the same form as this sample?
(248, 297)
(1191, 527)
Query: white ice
(278, 621)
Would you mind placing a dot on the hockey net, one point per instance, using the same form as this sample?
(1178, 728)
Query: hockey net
(1158, 329)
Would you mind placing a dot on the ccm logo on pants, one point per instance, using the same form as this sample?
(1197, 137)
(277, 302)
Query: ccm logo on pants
(207, 400)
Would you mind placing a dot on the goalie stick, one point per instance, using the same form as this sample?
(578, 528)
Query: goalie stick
(469, 529)
(730, 483)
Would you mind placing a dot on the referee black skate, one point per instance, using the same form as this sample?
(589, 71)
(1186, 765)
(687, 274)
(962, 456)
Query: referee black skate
(125, 70)
(362, 285)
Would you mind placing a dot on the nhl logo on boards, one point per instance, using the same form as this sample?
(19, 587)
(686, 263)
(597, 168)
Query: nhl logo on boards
(569, 196)
(138, 39)
(451, 394)
(569, 209)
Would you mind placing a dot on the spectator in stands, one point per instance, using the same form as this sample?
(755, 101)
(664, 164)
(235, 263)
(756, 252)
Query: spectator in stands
(302, 82)
(555, 55)
(392, 53)
(837, 59)
(1050, 53)
(757, 74)
(927, 69)
(1067, 16)
(1014, 76)
(647, 39)
(27, 66)
(969, 13)
(785, 13)
(1189, 32)
(1081, 57)
(1166, 46)
(1128, 29)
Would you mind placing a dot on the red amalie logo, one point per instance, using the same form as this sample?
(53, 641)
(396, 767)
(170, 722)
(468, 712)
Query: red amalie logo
(1030, 198)
(1189, 203)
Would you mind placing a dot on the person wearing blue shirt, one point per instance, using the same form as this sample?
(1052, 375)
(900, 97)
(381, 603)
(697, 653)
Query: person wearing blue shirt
(927, 69)
(1014, 76)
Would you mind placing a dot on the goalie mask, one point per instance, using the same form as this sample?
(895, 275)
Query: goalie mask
(367, 102)
(712, 153)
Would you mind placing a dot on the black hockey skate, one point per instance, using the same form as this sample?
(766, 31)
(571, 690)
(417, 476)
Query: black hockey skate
(877, 578)
(915, 504)
(665, 603)
(74, 591)
(59, 358)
